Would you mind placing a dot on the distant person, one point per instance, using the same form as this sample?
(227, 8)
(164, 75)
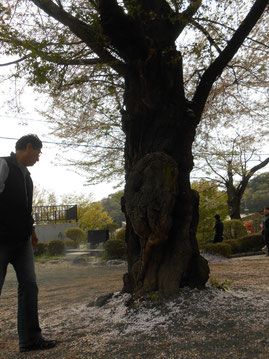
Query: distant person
(218, 229)
(265, 231)
(18, 236)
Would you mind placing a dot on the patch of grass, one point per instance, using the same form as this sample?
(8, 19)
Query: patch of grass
(44, 258)
(222, 286)
(153, 297)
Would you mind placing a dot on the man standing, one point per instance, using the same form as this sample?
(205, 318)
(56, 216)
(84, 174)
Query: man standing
(17, 237)
(218, 230)
(265, 230)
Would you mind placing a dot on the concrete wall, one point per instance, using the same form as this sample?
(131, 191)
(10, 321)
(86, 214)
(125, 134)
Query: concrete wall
(48, 232)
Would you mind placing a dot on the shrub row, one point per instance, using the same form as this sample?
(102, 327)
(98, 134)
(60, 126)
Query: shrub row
(222, 249)
(233, 229)
(76, 234)
(56, 247)
(116, 248)
(250, 243)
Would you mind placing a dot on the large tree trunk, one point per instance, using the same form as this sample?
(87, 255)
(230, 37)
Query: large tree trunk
(160, 207)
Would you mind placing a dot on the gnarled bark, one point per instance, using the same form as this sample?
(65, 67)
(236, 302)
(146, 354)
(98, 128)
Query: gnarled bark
(161, 225)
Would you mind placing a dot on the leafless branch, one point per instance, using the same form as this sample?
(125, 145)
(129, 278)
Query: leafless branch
(15, 61)
(232, 29)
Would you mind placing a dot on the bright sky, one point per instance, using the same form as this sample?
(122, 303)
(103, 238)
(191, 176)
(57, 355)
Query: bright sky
(45, 173)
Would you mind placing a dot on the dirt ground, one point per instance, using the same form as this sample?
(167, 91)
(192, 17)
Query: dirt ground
(66, 292)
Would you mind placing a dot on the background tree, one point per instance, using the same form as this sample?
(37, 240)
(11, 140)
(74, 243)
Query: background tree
(94, 217)
(212, 201)
(256, 196)
(142, 42)
(229, 162)
(112, 205)
(42, 197)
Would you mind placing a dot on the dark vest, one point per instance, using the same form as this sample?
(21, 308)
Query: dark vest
(16, 220)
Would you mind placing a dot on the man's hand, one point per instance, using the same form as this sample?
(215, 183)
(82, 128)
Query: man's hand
(34, 238)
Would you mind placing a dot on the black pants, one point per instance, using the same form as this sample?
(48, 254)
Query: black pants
(21, 257)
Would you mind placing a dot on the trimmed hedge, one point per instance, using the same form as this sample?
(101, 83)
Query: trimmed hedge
(76, 234)
(249, 243)
(71, 244)
(235, 245)
(40, 249)
(56, 248)
(233, 229)
(115, 249)
(223, 249)
(120, 234)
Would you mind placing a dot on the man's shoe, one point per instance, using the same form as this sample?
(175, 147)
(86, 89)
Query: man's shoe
(42, 344)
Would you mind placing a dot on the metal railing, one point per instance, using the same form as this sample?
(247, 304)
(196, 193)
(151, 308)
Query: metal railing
(55, 214)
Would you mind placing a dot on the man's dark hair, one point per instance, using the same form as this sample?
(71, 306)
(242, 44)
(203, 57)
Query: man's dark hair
(217, 216)
(266, 208)
(32, 139)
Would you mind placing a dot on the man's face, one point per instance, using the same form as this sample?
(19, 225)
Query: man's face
(31, 155)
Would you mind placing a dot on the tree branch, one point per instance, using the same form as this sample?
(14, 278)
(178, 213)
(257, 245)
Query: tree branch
(214, 171)
(122, 31)
(82, 31)
(232, 29)
(259, 166)
(65, 61)
(243, 184)
(206, 33)
(15, 61)
(56, 58)
(216, 68)
(185, 17)
(230, 173)
(159, 7)
(59, 4)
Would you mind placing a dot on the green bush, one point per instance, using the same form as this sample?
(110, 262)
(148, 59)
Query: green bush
(223, 249)
(56, 247)
(250, 243)
(120, 234)
(233, 229)
(235, 245)
(115, 249)
(71, 244)
(76, 234)
(40, 249)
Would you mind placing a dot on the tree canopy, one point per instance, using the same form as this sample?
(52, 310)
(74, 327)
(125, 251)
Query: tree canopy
(256, 196)
(212, 201)
(86, 86)
(112, 205)
(231, 158)
(94, 217)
